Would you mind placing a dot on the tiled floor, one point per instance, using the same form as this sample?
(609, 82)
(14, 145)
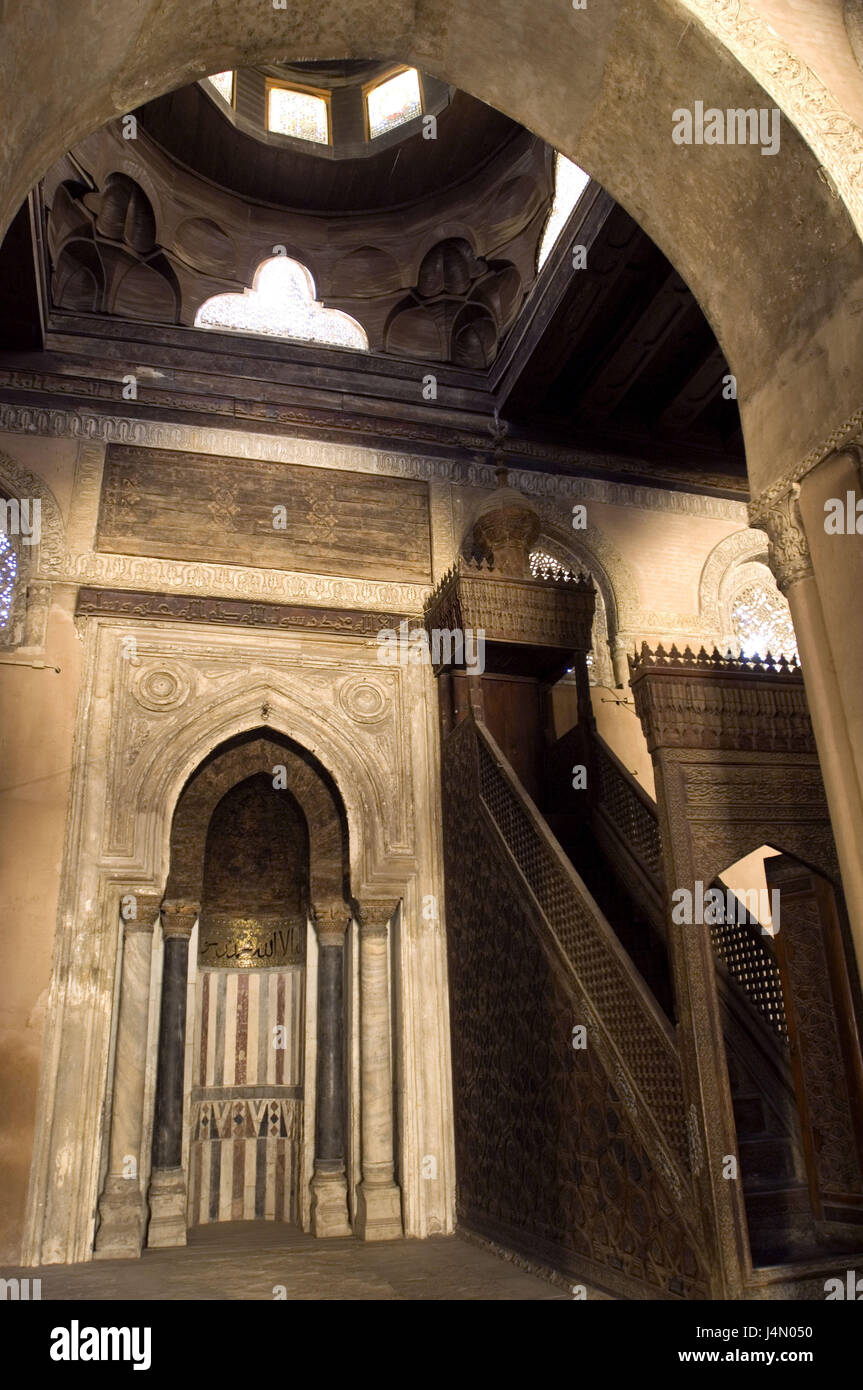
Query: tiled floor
(249, 1261)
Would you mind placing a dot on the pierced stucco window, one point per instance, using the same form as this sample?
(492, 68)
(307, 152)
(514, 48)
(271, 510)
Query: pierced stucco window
(302, 115)
(394, 102)
(569, 184)
(22, 616)
(599, 663)
(761, 620)
(224, 85)
(8, 580)
(282, 304)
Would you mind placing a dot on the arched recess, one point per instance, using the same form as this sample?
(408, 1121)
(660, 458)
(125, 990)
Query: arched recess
(792, 1050)
(578, 559)
(17, 481)
(242, 842)
(294, 772)
(600, 84)
(736, 566)
(618, 601)
(355, 722)
(157, 778)
(742, 547)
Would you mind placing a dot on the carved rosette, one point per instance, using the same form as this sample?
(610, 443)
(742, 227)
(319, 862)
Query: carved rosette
(162, 686)
(364, 700)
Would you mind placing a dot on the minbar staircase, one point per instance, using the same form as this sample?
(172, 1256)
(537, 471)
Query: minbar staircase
(628, 1031)
(556, 914)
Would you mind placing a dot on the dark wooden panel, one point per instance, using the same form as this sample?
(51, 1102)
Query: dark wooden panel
(513, 713)
(186, 506)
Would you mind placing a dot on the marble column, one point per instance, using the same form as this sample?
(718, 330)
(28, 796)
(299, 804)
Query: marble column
(167, 1180)
(379, 1208)
(792, 563)
(329, 1185)
(122, 1208)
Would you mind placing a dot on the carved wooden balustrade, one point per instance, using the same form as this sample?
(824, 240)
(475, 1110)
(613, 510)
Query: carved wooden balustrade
(509, 883)
(633, 843)
(624, 1010)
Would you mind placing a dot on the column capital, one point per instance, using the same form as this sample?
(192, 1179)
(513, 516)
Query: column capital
(139, 910)
(178, 917)
(331, 920)
(788, 548)
(375, 915)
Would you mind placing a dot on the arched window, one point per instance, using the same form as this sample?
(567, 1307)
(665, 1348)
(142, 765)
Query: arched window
(8, 578)
(304, 115)
(282, 304)
(393, 102)
(569, 184)
(542, 564)
(224, 85)
(760, 617)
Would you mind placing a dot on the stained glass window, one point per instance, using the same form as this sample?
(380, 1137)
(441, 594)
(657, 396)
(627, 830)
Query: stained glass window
(762, 622)
(224, 85)
(8, 575)
(300, 114)
(282, 304)
(569, 184)
(394, 102)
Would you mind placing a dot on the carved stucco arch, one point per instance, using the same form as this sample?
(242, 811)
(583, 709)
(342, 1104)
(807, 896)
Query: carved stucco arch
(160, 774)
(31, 600)
(199, 799)
(49, 557)
(738, 560)
(591, 548)
(739, 548)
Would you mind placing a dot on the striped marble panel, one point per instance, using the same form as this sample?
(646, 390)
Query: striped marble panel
(246, 1119)
(244, 1180)
(240, 1013)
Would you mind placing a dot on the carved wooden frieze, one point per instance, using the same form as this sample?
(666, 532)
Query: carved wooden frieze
(541, 612)
(190, 506)
(124, 603)
(711, 701)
